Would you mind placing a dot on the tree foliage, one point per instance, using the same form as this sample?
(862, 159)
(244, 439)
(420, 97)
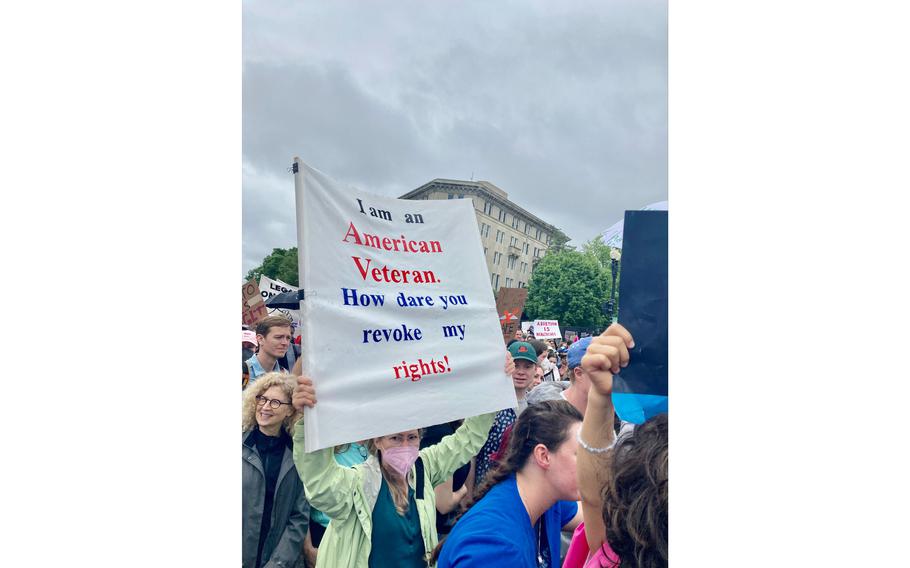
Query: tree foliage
(558, 242)
(572, 286)
(601, 252)
(281, 264)
(567, 286)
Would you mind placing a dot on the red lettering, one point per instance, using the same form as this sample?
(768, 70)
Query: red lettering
(352, 232)
(361, 268)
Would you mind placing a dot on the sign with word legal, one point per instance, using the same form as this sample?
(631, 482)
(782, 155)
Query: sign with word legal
(509, 304)
(546, 329)
(269, 288)
(399, 323)
(253, 307)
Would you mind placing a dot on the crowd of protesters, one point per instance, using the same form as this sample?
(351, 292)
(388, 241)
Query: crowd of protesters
(555, 481)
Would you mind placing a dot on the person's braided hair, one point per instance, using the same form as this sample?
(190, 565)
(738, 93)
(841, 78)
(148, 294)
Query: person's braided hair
(635, 499)
(546, 423)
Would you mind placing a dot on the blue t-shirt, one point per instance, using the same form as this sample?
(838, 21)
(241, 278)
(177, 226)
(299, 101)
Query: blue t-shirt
(498, 532)
(256, 368)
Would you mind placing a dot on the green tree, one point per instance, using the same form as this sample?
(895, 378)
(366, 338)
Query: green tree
(558, 242)
(568, 286)
(281, 264)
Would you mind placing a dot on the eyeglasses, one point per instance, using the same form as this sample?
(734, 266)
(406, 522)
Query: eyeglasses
(273, 402)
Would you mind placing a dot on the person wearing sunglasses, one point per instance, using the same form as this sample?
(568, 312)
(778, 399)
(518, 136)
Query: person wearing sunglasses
(275, 510)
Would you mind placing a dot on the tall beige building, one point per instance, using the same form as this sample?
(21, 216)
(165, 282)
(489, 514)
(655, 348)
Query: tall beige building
(512, 238)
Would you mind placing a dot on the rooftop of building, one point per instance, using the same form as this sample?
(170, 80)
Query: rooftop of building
(484, 188)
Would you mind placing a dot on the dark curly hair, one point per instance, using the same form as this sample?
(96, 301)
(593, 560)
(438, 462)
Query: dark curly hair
(635, 497)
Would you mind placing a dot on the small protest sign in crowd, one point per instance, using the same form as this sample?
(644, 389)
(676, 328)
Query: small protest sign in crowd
(402, 417)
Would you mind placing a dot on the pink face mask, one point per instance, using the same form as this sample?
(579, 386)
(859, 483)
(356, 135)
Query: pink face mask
(400, 459)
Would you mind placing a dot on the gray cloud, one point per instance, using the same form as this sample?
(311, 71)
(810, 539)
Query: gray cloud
(564, 106)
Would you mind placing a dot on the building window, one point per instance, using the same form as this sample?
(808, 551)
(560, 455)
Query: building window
(494, 278)
(508, 282)
(527, 228)
(521, 284)
(484, 230)
(460, 196)
(526, 248)
(536, 250)
(515, 222)
(496, 257)
(538, 234)
(524, 267)
(488, 208)
(512, 241)
(451, 195)
(484, 252)
(511, 263)
(502, 216)
(499, 235)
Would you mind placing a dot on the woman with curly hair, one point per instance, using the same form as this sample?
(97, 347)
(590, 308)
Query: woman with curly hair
(526, 500)
(275, 509)
(635, 497)
(624, 487)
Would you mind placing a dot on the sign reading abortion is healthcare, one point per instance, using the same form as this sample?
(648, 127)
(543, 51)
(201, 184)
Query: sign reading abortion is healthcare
(400, 329)
(546, 329)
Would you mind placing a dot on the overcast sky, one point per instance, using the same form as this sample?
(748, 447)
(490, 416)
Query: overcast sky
(563, 105)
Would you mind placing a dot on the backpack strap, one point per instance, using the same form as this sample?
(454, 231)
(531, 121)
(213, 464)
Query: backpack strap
(419, 465)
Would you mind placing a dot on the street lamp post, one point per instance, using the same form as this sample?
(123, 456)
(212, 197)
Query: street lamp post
(615, 255)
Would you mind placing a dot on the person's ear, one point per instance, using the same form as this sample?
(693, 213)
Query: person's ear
(542, 456)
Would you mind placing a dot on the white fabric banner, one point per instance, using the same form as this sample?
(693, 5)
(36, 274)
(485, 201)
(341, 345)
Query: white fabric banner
(546, 329)
(400, 329)
(269, 288)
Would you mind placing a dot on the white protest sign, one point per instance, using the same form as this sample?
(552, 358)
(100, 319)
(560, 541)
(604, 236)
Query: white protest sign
(269, 288)
(546, 329)
(399, 322)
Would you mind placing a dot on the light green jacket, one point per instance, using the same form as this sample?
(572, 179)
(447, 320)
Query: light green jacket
(348, 495)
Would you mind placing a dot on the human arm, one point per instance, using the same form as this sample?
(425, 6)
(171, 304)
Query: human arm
(287, 549)
(604, 357)
(309, 551)
(442, 459)
(446, 498)
(575, 520)
(329, 487)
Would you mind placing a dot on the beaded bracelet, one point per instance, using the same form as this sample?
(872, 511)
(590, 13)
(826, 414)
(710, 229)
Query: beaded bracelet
(589, 448)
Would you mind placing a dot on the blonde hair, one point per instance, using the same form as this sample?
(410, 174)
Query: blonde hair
(259, 386)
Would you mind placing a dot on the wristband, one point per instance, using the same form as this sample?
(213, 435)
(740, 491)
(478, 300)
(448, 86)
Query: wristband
(589, 448)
